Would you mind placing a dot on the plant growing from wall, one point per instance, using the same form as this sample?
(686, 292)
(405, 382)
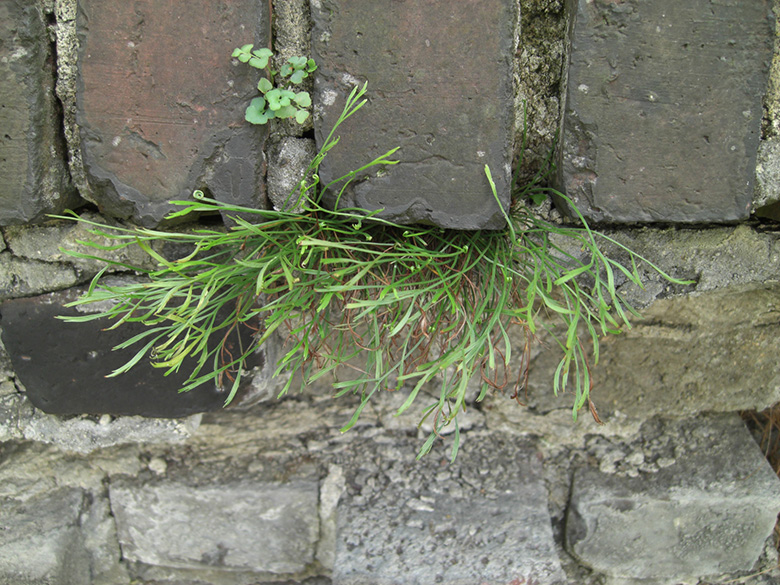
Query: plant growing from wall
(380, 306)
(279, 99)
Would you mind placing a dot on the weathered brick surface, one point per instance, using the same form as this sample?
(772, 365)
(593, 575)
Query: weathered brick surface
(40, 540)
(33, 177)
(63, 366)
(663, 108)
(231, 525)
(440, 87)
(422, 522)
(695, 516)
(160, 108)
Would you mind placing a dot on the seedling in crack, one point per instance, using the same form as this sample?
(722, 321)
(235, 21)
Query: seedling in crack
(279, 99)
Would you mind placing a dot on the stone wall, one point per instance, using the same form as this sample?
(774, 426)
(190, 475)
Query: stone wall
(666, 118)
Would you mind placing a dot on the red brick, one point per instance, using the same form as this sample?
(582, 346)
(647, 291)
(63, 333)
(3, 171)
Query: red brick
(160, 107)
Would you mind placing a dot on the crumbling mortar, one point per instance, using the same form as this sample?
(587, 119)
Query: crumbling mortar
(540, 75)
(291, 37)
(64, 27)
(770, 123)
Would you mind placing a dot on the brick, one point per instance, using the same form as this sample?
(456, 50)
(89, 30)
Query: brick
(663, 108)
(40, 540)
(32, 159)
(440, 88)
(63, 366)
(230, 526)
(712, 352)
(159, 107)
(428, 521)
(697, 516)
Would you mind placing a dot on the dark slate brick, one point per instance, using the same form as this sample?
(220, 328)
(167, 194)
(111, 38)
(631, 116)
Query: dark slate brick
(32, 153)
(63, 366)
(440, 87)
(663, 108)
(159, 107)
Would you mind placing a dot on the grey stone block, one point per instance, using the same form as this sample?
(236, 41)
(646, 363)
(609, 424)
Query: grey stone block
(708, 511)
(19, 277)
(228, 526)
(714, 352)
(710, 346)
(35, 179)
(663, 108)
(483, 519)
(40, 540)
(440, 88)
(160, 113)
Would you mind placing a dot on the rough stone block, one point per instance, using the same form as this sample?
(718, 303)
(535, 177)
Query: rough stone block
(159, 107)
(20, 277)
(715, 352)
(240, 526)
(440, 88)
(708, 510)
(40, 540)
(426, 522)
(34, 174)
(712, 349)
(663, 108)
(63, 365)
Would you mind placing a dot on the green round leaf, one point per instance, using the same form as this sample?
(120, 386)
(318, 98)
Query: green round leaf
(297, 62)
(244, 57)
(264, 85)
(310, 65)
(273, 98)
(256, 112)
(301, 115)
(246, 48)
(303, 99)
(298, 76)
(258, 62)
(286, 112)
(263, 53)
(286, 70)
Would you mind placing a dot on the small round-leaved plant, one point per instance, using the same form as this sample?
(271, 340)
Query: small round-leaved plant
(279, 98)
